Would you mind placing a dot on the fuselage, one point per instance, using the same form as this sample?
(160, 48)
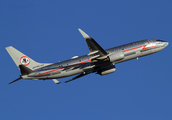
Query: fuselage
(82, 64)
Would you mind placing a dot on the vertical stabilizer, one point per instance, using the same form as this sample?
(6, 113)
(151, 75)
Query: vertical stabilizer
(22, 59)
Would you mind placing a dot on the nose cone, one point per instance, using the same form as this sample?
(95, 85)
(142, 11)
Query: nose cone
(166, 43)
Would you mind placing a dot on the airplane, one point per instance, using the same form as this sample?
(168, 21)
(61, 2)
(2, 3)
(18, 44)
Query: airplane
(98, 60)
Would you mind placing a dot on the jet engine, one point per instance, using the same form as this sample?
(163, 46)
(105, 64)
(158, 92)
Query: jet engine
(106, 70)
(116, 56)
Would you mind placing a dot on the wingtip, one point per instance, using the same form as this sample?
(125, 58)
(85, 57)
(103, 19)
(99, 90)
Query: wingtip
(83, 33)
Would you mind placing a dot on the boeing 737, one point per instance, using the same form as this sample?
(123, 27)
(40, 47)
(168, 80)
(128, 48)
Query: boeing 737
(98, 60)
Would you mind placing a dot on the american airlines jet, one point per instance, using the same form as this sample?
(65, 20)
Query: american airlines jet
(98, 60)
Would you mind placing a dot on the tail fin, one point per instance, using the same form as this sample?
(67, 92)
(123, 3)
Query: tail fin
(21, 59)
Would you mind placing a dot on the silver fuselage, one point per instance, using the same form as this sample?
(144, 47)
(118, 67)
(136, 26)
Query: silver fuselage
(83, 63)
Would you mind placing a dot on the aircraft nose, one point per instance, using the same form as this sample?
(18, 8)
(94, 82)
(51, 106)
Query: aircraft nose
(166, 43)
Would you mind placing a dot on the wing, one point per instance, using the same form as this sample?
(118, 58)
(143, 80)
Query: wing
(96, 51)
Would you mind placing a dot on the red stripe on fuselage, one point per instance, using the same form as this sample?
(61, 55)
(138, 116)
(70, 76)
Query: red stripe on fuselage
(144, 47)
(61, 68)
(134, 48)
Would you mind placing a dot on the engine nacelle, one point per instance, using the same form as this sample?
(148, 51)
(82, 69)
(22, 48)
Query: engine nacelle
(116, 56)
(107, 70)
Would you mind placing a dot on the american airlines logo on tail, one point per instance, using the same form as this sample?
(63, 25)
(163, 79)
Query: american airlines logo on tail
(25, 60)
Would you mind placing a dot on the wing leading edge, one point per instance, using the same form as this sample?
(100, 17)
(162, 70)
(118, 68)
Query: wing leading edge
(96, 51)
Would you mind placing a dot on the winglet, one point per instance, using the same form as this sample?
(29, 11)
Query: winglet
(83, 34)
(93, 46)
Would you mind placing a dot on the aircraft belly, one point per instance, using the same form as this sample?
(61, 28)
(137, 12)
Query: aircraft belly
(145, 52)
(157, 49)
(129, 57)
(138, 53)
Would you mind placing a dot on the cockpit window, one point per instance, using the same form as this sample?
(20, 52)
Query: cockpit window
(161, 40)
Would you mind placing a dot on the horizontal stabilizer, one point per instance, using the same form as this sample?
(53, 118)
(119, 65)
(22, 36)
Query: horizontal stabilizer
(16, 80)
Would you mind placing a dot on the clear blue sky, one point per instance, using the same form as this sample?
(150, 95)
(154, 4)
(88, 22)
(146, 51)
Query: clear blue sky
(46, 30)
